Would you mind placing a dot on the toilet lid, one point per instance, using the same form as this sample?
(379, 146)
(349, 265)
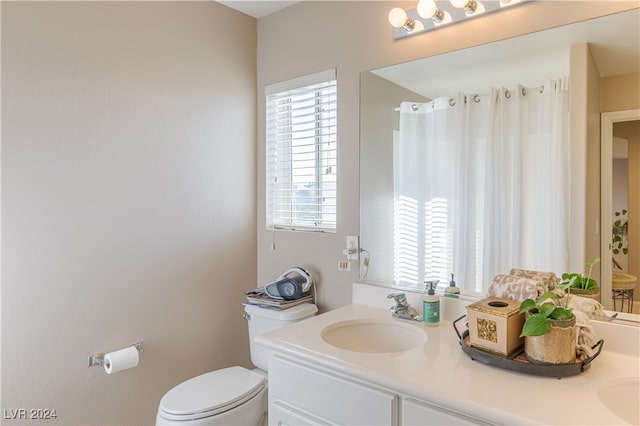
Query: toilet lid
(212, 393)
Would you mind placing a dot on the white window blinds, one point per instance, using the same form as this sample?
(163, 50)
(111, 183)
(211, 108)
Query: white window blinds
(301, 153)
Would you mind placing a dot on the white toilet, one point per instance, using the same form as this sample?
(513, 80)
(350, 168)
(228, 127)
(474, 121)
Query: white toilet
(234, 395)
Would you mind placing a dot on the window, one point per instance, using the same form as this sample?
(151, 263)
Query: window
(301, 155)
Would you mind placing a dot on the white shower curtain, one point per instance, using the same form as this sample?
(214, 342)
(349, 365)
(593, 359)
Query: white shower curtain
(481, 185)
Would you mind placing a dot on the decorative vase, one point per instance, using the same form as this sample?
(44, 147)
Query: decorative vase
(558, 346)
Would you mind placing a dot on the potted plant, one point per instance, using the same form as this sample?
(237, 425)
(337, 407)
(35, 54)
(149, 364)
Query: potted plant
(580, 285)
(549, 330)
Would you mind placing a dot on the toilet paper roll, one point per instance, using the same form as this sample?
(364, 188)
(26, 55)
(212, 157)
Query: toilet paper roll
(121, 360)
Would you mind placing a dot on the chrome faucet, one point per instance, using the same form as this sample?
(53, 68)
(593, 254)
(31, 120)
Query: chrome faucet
(403, 309)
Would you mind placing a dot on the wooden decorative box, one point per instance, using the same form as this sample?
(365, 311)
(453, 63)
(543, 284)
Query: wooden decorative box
(495, 325)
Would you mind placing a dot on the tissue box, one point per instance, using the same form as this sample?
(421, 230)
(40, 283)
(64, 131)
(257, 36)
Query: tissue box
(495, 325)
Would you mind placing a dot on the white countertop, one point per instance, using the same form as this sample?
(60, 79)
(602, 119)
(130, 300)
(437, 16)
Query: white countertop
(441, 373)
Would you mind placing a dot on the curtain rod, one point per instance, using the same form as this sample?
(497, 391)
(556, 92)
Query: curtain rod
(476, 98)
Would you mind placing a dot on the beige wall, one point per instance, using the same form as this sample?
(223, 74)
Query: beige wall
(354, 36)
(128, 200)
(620, 92)
(585, 161)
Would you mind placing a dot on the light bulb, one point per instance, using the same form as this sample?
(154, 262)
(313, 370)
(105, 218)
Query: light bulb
(397, 17)
(427, 8)
(460, 3)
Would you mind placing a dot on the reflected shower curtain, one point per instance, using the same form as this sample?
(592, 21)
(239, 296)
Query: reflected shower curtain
(481, 185)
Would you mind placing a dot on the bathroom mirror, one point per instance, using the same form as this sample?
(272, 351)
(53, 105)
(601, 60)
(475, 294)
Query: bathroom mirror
(529, 61)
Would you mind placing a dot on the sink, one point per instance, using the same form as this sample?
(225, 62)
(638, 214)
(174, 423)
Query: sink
(621, 397)
(374, 335)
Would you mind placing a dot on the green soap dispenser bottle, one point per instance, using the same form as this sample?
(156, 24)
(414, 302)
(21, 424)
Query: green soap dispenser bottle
(452, 290)
(431, 305)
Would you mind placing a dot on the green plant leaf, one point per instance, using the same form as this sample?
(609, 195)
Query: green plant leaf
(545, 296)
(536, 325)
(561, 314)
(591, 284)
(546, 309)
(527, 305)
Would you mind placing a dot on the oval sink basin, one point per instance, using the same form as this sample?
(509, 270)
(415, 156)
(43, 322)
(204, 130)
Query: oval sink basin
(374, 335)
(621, 397)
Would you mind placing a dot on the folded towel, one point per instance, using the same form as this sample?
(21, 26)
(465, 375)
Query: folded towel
(592, 308)
(546, 280)
(513, 288)
(585, 336)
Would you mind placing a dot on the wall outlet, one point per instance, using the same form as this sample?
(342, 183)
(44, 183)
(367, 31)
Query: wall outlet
(344, 266)
(353, 248)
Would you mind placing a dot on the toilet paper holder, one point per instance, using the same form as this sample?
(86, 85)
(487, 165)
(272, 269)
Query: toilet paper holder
(98, 359)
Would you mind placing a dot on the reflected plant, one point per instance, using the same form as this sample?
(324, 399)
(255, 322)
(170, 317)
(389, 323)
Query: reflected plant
(576, 280)
(619, 233)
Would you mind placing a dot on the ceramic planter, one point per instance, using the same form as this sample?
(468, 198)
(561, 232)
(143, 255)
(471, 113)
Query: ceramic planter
(558, 346)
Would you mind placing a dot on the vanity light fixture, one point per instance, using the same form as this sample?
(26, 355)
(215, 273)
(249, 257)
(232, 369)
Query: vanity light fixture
(471, 7)
(431, 14)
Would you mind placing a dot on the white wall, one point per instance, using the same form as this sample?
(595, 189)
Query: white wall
(354, 36)
(128, 200)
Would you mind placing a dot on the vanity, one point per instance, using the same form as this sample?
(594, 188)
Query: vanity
(358, 365)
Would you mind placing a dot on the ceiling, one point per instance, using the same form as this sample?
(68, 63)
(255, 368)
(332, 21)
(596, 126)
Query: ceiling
(257, 8)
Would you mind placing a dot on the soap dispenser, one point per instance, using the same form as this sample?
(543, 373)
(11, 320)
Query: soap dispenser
(452, 290)
(431, 305)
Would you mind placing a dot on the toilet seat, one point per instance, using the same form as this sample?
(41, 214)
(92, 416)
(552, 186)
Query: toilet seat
(211, 393)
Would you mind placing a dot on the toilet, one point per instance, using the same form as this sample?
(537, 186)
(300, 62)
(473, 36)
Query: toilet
(233, 395)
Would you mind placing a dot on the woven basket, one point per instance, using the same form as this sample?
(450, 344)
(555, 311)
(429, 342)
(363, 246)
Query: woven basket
(622, 281)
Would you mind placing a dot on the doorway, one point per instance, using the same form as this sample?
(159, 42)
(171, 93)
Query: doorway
(620, 200)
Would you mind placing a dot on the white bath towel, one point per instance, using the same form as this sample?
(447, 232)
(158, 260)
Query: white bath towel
(591, 307)
(585, 336)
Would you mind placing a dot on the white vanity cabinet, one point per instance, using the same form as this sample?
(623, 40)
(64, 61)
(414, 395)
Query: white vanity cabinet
(305, 394)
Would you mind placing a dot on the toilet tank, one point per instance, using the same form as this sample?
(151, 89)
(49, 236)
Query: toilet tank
(262, 320)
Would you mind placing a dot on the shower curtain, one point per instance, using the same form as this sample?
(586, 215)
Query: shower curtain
(481, 185)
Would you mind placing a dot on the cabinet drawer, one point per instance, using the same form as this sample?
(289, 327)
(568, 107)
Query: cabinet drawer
(420, 413)
(329, 396)
(280, 414)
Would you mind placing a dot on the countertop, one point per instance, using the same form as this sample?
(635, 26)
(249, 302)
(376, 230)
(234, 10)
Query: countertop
(440, 372)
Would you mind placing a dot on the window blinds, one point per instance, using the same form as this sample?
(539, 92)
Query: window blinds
(301, 155)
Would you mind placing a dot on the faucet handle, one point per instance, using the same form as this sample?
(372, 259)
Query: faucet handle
(400, 298)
